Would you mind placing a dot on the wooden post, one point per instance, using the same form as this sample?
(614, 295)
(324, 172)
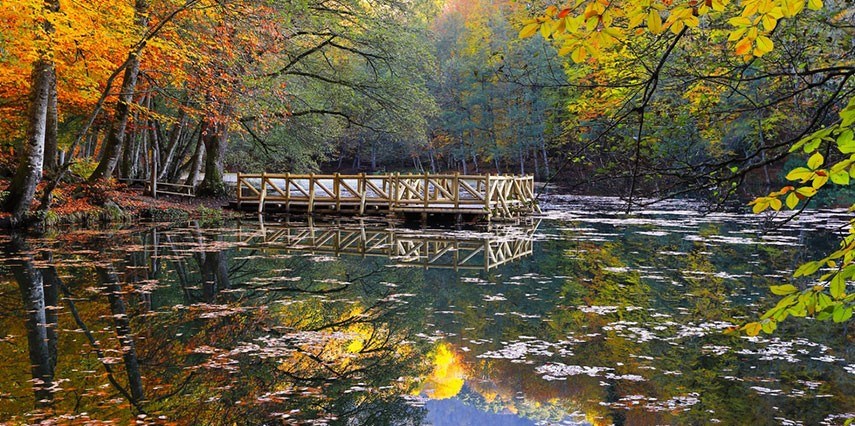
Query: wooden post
(393, 190)
(337, 191)
(456, 190)
(427, 192)
(262, 194)
(288, 192)
(311, 193)
(238, 192)
(363, 191)
(487, 197)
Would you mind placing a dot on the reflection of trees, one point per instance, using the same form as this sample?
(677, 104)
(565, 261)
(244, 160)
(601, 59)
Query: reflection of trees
(240, 350)
(39, 301)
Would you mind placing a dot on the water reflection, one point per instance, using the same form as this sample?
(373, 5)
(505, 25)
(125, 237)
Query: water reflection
(443, 249)
(598, 319)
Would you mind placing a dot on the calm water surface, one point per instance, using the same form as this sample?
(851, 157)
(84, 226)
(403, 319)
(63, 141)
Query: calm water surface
(583, 317)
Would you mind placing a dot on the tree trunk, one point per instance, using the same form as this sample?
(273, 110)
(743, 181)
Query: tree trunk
(172, 145)
(545, 161)
(50, 162)
(29, 171)
(196, 163)
(214, 136)
(374, 156)
(116, 137)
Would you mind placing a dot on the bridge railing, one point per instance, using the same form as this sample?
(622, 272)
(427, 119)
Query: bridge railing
(499, 196)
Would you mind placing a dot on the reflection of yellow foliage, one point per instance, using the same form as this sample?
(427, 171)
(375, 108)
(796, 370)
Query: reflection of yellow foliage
(447, 377)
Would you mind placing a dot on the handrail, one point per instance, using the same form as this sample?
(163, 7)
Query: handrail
(501, 196)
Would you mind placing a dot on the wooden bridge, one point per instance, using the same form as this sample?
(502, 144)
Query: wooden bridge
(495, 197)
(428, 249)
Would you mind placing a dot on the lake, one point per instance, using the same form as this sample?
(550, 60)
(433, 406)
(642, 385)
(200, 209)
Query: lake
(582, 316)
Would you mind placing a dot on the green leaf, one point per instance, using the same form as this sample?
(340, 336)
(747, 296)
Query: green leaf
(783, 290)
(807, 268)
(840, 178)
(838, 287)
(768, 326)
(841, 314)
(815, 161)
(846, 141)
(812, 145)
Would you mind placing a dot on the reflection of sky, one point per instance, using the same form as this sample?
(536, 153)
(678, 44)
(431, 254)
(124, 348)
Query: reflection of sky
(453, 412)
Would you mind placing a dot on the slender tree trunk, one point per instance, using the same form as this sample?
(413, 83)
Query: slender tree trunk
(179, 165)
(50, 163)
(214, 137)
(29, 172)
(172, 145)
(116, 136)
(196, 163)
(545, 160)
(535, 171)
(373, 156)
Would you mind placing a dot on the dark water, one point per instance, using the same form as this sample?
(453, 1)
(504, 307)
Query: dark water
(585, 317)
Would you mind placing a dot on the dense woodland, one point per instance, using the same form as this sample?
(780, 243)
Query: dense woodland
(653, 98)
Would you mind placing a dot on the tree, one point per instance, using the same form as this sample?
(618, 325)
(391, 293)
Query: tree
(42, 96)
(778, 68)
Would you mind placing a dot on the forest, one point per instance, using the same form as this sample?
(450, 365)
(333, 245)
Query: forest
(655, 99)
(690, 160)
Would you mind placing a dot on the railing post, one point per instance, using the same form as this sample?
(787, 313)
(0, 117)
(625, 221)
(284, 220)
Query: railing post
(393, 190)
(238, 191)
(337, 191)
(456, 192)
(311, 193)
(262, 194)
(487, 204)
(427, 190)
(288, 192)
(363, 192)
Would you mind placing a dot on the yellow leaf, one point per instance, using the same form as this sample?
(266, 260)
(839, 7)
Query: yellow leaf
(752, 328)
(654, 22)
(736, 34)
(546, 29)
(739, 21)
(814, 4)
(775, 203)
(769, 22)
(815, 161)
(792, 200)
(579, 54)
(591, 23)
(529, 30)
(677, 27)
(764, 45)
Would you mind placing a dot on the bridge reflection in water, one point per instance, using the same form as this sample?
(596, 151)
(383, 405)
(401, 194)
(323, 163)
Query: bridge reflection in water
(432, 248)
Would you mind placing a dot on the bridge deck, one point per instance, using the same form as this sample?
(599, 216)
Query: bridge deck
(499, 197)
